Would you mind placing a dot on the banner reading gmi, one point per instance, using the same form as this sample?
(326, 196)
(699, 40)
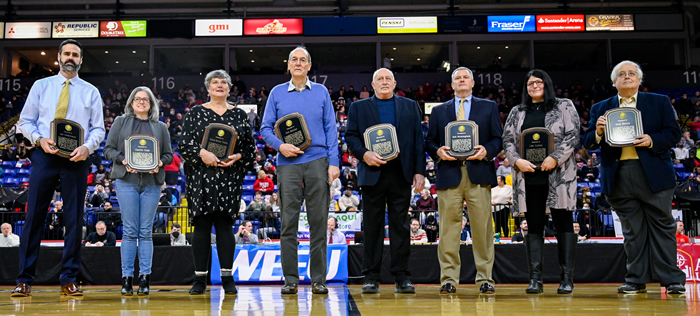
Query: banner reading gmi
(262, 264)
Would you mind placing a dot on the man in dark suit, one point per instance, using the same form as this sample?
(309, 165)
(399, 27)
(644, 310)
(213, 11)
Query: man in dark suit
(470, 179)
(387, 183)
(639, 181)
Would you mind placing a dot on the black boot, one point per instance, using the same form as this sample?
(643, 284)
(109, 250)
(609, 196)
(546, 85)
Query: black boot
(567, 259)
(229, 285)
(534, 245)
(199, 286)
(127, 287)
(144, 285)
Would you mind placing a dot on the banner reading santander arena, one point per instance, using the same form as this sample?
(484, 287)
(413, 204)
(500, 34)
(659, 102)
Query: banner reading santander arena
(561, 23)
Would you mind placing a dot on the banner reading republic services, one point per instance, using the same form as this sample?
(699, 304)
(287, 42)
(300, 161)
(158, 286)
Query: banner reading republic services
(609, 22)
(511, 23)
(273, 26)
(76, 29)
(561, 23)
(123, 29)
(407, 25)
(28, 30)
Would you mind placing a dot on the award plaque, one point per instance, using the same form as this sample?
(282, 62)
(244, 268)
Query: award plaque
(381, 139)
(68, 135)
(292, 129)
(220, 140)
(536, 144)
(142, 153)
(461, 137)
(622, 126)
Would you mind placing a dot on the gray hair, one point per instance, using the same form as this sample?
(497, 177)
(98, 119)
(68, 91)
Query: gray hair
(219, 73)
(377, 71)
(616, 69)
(153, 112)
(308, 56)
(100, 222)
(454, 72)
(3, 225)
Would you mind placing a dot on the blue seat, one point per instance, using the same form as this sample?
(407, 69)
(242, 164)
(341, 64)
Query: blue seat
(9, 172)
(23, 180)
(8, 164)
(679, 167)
(18, 227)
(11, 181)
(23, 171)
(247, 198)
(684, 175)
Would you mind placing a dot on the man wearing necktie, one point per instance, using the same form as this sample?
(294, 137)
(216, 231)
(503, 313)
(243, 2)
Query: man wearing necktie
(63, 96)
(639, 181)
(470, 180)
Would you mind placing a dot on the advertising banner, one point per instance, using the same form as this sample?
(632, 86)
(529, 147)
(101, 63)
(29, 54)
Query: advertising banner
(348, 223)
(337, 25)
(561, 23)
(123, 29)
(76, 29)
(407, 25)
(689, 261)
(28, 30)
(273, 27)
(511, 23)
(225, 27)
(262, 263)
(609, 22)
(462, 24)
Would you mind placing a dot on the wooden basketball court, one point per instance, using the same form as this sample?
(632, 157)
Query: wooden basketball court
(588, 299)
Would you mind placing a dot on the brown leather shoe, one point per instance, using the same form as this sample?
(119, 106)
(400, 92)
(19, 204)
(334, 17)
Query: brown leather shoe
(289, 289)
(319, 288)
(22, 290)
(71, 289)
(448, 288)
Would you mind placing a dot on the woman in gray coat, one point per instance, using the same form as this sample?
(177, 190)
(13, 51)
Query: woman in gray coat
(138, 192)
(552, 188)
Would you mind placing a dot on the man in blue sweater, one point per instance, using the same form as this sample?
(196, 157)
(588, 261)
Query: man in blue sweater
(303, 173)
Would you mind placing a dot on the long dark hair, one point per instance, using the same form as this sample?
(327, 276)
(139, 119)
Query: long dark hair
(550, 99)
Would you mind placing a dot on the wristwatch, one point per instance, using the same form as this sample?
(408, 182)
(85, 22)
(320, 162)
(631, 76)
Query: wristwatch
(38, 141)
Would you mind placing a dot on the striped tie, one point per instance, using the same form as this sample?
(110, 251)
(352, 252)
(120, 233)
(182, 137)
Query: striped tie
(62, 108)
(460, 113)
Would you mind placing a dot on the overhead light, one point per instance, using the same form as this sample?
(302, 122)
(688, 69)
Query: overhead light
(43, 53)
(133, 52)
(446, 65)
(106, 52)
(55, 63)
(117, 61)
(144, 61)
(251, 50)
(394, 48)
(200, 73)
(478, 47)
(418, 59)
(392, 59)
(499, 57)
(252, 60)
(506, 47)
(284, 61)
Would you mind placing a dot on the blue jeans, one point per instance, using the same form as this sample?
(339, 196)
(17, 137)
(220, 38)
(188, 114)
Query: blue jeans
(138, 201)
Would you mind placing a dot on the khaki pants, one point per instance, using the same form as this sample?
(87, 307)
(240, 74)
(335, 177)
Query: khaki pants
(478, 199)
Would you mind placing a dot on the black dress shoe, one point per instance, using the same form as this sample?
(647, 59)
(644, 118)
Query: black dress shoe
(319, 288)
(675, 289)
(448, 288)
(535, 287)
(632, 288)
(289, 289)
(404, 286)
(370, 287)
(22, 290)
(127, 286)
(487, 288)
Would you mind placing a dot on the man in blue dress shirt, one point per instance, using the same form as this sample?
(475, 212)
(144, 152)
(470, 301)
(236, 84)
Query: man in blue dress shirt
(61, 96)
(307, 173)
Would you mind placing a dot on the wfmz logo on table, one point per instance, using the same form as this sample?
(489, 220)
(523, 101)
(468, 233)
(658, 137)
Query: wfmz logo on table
(262, 263)
(512, 23)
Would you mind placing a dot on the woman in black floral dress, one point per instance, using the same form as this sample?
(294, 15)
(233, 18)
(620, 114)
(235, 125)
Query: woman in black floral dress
(214, 186)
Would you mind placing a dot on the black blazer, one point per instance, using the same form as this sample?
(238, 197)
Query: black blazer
(659, 122)
(364, 114)
(121, 130)
(485, 114)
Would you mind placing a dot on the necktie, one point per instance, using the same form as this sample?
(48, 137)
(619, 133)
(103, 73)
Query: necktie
(460, 113)
(62, 108)
(330, 239)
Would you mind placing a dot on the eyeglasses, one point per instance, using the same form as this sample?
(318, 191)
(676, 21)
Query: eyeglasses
(138, 100)
(623, 74)
(535, 83)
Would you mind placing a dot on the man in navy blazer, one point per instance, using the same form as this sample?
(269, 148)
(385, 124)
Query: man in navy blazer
(639, 181)
(387, 183)
(470, 180)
